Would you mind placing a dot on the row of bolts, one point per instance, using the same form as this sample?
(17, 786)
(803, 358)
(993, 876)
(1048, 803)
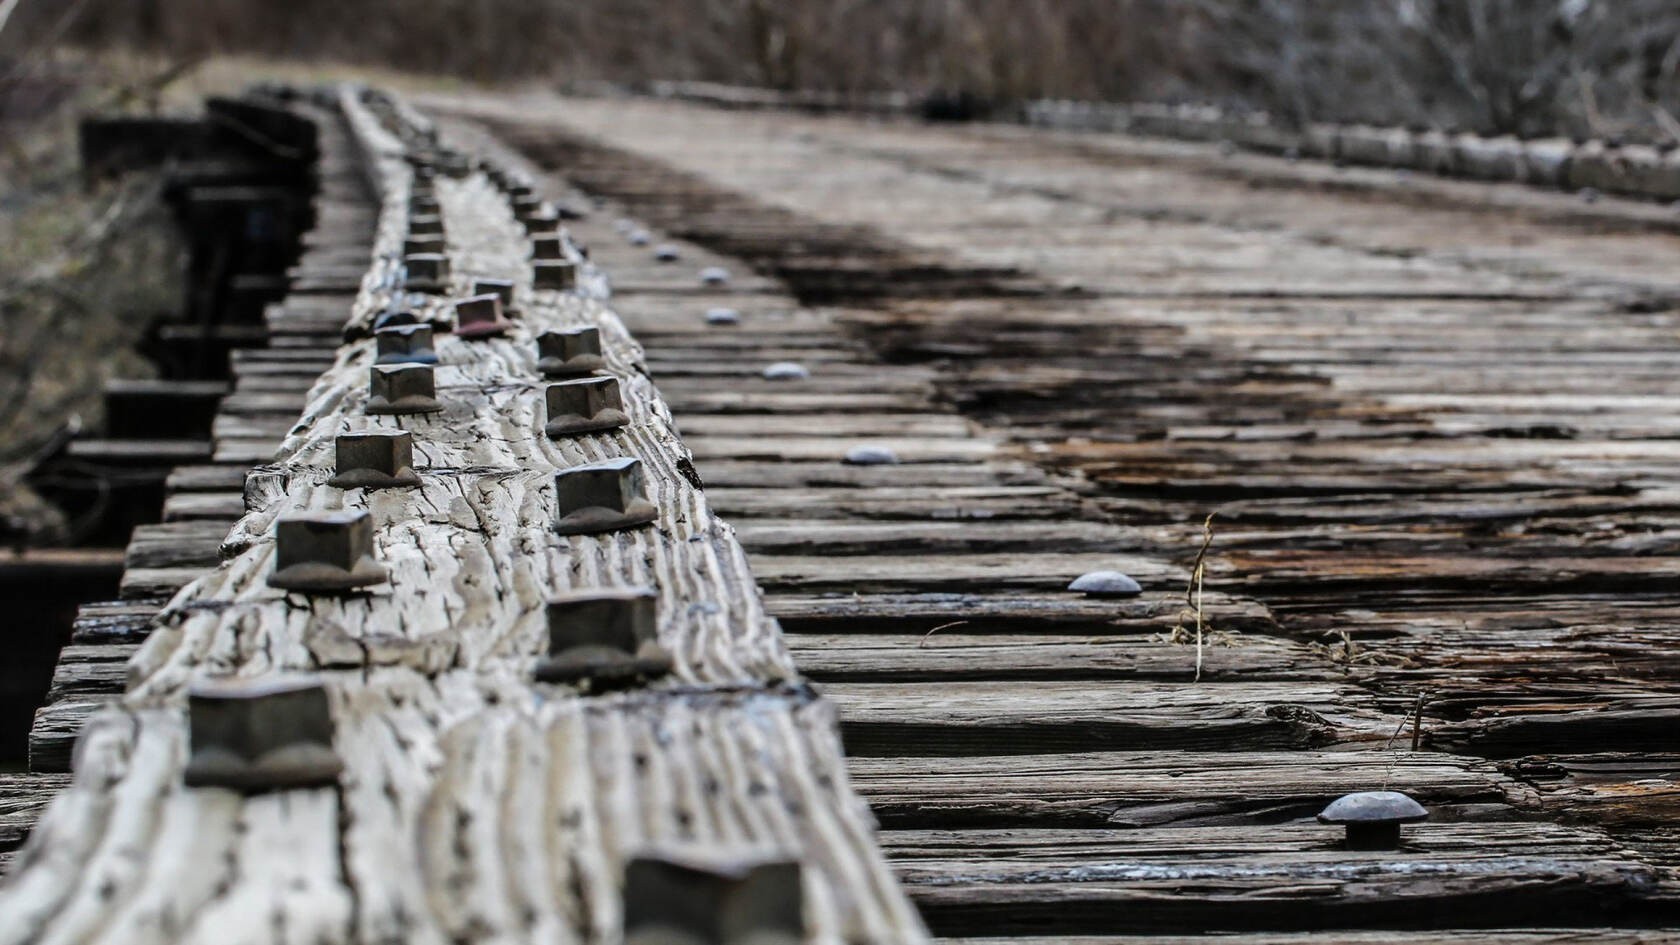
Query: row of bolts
(267, 735)
(278, 734)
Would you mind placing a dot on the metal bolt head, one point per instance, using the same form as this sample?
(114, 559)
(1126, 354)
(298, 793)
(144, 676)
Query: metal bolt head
(555, 274)
(402, 389)
(675, 897)
(569, 352)
(548, 246)
(585, 405)
(786, 371)
(870, 456)
(602, 497)
(1105, 584)
(427, 272)
(425, 224)
(480, 316)
(518, 187)
(1373, 818)
(403, 344)
(525, 205)
(423, 204)
(393, 319)
(604, 636)
(263, 735)
(638, 237)
(501, 288)
(714, 275)
(665, 252)
(325, 552)
(375, 460)
(424, 245)
(722, 316)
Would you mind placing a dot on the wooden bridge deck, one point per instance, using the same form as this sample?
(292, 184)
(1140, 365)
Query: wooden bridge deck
(1434, 421)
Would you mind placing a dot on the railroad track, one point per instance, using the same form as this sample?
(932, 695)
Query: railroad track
(1044, 763)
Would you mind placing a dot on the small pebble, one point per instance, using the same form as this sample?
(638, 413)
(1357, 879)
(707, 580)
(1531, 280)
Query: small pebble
(722, 316)
(714, 275)
(1106, 584)
(786, 371)
(871, 456)
(665, 252)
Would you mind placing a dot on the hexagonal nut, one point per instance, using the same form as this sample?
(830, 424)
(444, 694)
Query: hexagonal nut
(403, 343)
(606, 636)
(602, 497)
(325, 552)
(402, 389)
(569, 352)
(586, 405)
(260, 735)
(480, 316)
(683, 896)
(378, 459)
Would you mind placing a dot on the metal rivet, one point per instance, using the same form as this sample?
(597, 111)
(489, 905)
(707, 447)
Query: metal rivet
(403, 344)
(558, 274)
(427, 272)
(422, 245)
(675, 898)
(624, 225)
(602, 497)
(325, 552)
(870, 456)
(569, 352)
(714, 275)
(548, 246)
(722, 316)
(639, 238)
(1105, 584)
(374, 460)
(1373, 818)
(402, 389)
(665, 252)
(584, 406)
(480, 316)
(258, 736)
(425, 224)
(786, 371)
(604, 636)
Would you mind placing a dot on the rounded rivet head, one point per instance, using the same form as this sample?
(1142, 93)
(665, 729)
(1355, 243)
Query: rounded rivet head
(870, 456)
(714, 275)
(722, 316)
(786, 371)
(1106, 584)
(1373, 818)
(665, 252)
(638, 238)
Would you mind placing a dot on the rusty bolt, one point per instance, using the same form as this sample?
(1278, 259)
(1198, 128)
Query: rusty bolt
(375, 460)
(402, 389)
(1105, 584)
(585, 405)
(605, 636)
(403, 343)
(502, 288)
(1373, 818)
(728, 901)
(425, 224)
(548, 246)
(325, 552)
(559, 274)
(786, 371)
(264, 735)
(480, 316)
(602, 497)
(569, 352)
